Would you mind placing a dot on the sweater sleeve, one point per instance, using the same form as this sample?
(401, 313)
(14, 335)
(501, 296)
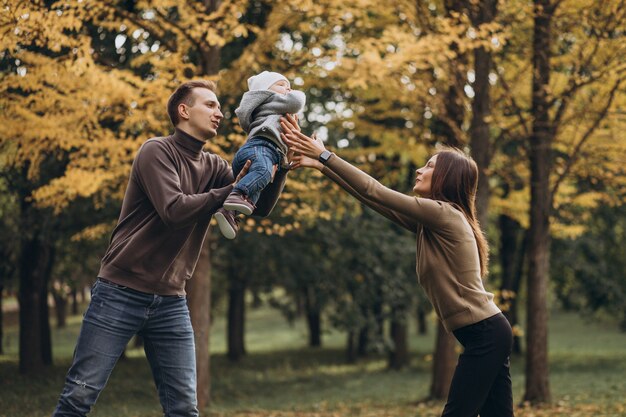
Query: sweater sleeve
(223, 170)
(156, 173)
(408, 223)
(401, 208)
(292, 102)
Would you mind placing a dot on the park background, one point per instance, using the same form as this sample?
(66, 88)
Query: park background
(324, 316)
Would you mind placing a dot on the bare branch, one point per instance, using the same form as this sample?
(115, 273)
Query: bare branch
(151, 27)
(576, 152)
(179, 29)
(516, 107)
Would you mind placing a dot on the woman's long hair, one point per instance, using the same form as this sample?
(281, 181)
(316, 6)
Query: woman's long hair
(455, 180)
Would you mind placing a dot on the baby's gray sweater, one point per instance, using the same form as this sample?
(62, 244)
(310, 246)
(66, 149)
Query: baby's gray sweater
(260, 110)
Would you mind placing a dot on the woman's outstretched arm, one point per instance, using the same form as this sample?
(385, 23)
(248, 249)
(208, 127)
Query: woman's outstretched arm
(405, 210)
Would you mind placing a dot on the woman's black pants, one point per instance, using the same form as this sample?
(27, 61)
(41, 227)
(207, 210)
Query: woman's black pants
(482, 382)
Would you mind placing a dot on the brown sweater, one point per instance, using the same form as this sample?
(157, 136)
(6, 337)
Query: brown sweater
(173, 190)
(448, 266)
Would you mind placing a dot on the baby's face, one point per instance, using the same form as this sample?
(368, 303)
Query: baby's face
(281, 87)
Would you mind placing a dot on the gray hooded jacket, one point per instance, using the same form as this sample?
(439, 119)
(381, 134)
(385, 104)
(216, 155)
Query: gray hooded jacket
(260, 110)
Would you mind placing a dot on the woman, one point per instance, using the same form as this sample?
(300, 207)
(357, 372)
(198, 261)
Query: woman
(452, 257)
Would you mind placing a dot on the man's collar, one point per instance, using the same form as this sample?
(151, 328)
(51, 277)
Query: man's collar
(188, 142)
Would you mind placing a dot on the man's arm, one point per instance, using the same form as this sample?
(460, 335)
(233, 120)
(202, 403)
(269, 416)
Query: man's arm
(156, 174)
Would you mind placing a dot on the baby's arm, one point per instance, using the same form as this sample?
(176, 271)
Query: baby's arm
(292, 103)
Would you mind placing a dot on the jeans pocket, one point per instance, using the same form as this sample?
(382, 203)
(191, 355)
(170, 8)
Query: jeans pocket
(111, 284)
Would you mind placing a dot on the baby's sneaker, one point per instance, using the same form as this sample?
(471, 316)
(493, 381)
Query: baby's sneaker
(239, 202)
(227, 222)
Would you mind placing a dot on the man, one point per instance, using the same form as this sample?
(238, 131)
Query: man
(174, 189)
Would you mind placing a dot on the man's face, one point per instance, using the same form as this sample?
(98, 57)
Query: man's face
(204, 115)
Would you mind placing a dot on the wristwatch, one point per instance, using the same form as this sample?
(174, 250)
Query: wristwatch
(324, 156)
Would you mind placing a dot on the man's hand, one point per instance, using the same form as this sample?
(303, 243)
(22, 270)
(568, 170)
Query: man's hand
(243, 172)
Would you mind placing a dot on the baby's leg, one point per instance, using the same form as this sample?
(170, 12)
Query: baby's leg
(247, 191)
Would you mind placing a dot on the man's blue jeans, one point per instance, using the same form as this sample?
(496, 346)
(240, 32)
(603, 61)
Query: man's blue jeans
(113, 317)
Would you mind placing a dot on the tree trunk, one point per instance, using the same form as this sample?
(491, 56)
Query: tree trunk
(236, 319)
(444, 363)
(313, 318)
(399, 354)
(60, 307)
(362, 342)
(74, 297)
(351, 347)
(481, 109)
(537, 387)
(200, 283)
(422, 327)
(1, 318)
(512, 254)
(44, 310)
(210, 55)
(445, 357)
(454, 101)
(35, 262)
(199, 299)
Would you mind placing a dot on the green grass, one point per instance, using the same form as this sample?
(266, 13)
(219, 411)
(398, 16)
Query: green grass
(280, 376)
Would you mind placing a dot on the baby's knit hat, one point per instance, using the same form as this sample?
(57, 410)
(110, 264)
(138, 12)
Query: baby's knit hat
(264, 80)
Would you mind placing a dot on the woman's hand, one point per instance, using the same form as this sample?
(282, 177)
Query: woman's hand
(299, 160)
(298, 142)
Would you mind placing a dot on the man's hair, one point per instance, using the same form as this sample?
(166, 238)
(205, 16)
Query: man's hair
(455, 180)
(184, 94)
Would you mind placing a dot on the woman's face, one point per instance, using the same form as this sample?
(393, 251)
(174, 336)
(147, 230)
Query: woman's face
(423, 178)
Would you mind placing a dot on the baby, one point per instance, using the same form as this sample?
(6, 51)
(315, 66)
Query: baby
(269, 97)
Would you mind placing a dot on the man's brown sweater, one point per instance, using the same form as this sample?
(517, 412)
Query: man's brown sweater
(448, 266)
(173, 190)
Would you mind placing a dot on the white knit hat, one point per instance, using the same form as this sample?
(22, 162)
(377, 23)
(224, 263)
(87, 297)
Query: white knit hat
(264, 80)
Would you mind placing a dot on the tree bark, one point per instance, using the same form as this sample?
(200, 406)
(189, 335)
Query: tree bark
(362, 342)
(399, 354)
(444, 363)
(60, 308)
(199, 299)
(35, 258)
(74, 297)
(1, 318)
(200, 302)
(351, 347)
(44, 311)
(537, 386)
(481, 110)
(422, 327)
(313, 319)
(236, 319)
(512, 254)
(210, 55)
(455, 96)
(444, 360)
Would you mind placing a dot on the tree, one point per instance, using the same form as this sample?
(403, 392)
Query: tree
(537, 387)
(198, 289)
(543, 134)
